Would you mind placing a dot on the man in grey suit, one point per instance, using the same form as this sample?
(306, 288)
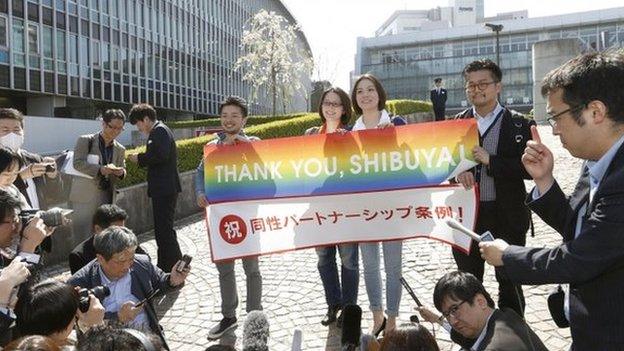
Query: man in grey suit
(100, 157)
(130, 278)
(586, 111)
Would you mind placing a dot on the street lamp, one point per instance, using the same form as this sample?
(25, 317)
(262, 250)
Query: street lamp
(496, 28)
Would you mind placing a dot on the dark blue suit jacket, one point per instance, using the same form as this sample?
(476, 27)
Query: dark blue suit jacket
(592, 263)
(161, 160)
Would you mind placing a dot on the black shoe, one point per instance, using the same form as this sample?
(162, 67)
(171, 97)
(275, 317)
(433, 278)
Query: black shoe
(382, 327)
(330, 317)
(218, 330)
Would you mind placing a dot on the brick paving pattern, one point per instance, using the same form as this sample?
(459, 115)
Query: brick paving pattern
(293, 295)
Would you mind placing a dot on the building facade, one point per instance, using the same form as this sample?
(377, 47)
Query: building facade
(74, 58)
(407, 63)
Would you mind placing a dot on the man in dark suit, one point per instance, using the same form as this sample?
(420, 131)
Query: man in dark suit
(104, 217)
(469, 314)
(130, 278)
(500, 175)
(163, 180)
(587, 113)
(438, 98)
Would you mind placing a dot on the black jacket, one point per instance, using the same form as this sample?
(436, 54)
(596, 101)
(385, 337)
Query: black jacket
(507, 170)
(592, 263)
(161, 160)
(438, 100)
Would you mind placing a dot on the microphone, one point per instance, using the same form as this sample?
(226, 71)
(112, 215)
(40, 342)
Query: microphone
(487, 236)
(351, 327)
(256, 332)
(297, 340)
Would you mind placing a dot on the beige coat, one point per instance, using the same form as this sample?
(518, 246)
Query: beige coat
(86, 190)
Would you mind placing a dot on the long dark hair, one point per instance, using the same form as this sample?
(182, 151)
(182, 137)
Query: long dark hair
(344, 100)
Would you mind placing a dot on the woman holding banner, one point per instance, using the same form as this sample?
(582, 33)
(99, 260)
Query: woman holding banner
(369, 101)
(335, 112)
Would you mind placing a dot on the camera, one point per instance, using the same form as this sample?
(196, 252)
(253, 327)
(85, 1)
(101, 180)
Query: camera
(50, 168)
(53, 217)
(104, 183)
(101, 292)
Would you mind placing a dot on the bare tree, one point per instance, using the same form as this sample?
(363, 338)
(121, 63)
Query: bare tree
(273, 59)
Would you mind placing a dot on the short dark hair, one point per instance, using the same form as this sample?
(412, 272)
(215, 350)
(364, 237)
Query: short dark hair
(140, 111)
(7, 158)
(46, 307)
(380, 92)
(484, 64)
(235, 101)
(11, 113)
(414, 337)
(107, 214)
(346, 104)
(460, 286)
(113, 337)
(437, 80)
(33, 343)
(9, 204)
(113, 113)
(589, 77)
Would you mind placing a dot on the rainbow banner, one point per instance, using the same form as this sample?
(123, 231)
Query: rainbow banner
(404, 157)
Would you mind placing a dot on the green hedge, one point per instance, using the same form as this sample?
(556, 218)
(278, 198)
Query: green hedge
(406, 107)
(215, 122)
(190, 150)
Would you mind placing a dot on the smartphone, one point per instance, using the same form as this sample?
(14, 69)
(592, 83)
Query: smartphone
(487, 236)
(149, 297)
(186, 260)
(410, 291)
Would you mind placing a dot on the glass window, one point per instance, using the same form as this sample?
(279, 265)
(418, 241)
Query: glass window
(95, 49)
(3, 31)
(18, 36)
(73, 24)
(60, 20)
(84, 51)
(47, 15)
(33, 38)
(73, 48)
(60, 45)
(18, 8)
(106, 55)
(46, 34)
(33, 12)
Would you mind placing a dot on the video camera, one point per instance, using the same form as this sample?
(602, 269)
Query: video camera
(101, 292)
(53, 217)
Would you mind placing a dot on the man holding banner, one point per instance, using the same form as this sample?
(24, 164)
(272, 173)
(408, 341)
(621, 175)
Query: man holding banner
(502, 138)
(233, 113)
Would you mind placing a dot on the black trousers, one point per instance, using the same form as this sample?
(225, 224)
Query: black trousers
(509, 295)
(166, 238)
(439, 113)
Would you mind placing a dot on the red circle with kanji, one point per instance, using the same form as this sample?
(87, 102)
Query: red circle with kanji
(232, 229)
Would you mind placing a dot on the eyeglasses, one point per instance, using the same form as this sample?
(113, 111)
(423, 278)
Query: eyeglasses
(554, 118)
(480, 85)
(452, 311)
(121, 129)
(332, 104)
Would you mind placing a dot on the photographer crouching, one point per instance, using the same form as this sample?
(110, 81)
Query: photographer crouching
(132, 279)
(14, 237)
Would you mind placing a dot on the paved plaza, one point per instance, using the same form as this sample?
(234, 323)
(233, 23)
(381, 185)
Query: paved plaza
(293, 295)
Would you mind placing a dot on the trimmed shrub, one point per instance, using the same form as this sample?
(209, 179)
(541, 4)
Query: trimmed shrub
(215, 122)
(190, 151)
(406, 107)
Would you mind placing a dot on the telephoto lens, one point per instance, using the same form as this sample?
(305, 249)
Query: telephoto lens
(101, 292)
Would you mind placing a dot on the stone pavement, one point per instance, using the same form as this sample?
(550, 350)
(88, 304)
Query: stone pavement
(293, 295)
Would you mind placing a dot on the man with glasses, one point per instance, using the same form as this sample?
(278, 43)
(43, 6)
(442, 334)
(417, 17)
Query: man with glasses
(586, 105)
(469, 314)
(101, 159)
(500, 174)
